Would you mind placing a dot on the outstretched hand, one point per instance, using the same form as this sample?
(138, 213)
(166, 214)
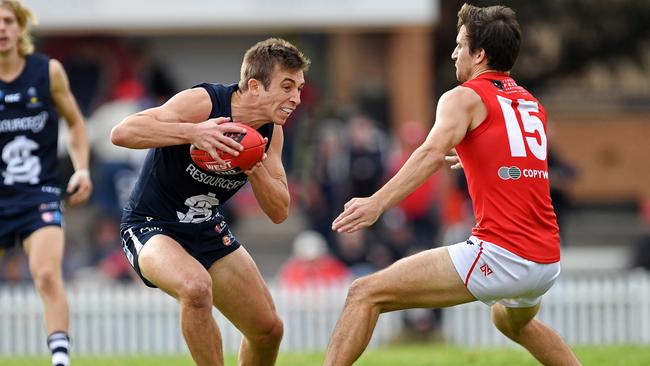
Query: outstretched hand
(210, 136)
(358, 213)
(454, 160)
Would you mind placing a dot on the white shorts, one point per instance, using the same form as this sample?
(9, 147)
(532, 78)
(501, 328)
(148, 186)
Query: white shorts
(493, 274)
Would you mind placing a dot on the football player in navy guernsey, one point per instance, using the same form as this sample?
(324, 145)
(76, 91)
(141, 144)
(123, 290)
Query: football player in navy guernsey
(172, 232)
(34, 91)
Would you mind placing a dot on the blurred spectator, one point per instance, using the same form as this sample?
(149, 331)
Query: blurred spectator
(420, 208)
(352, 249)
(107, 253)
(642, 249)
(367, 146)
(310, 264)
(397, 233)
(116, 167)
(456, 209)
(323, 187)
(13, 266)
(561, 175)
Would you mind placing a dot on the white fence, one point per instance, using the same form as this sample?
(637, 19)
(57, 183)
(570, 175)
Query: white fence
(612, 309)
(596, 309)
(137, 320)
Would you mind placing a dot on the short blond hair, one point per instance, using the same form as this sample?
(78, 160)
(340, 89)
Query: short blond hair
(25, 19)
(261, 59)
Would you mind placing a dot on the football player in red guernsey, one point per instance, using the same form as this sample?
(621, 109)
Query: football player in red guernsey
(512, 256)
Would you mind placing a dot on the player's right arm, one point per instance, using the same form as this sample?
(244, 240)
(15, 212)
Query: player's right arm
(183, 119)
(459, 110)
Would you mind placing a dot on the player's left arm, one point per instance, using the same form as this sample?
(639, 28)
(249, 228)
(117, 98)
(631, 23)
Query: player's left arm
(80, 185)
(269, 180)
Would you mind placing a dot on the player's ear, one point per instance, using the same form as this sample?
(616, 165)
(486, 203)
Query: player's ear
(480, 55)
(254, 86)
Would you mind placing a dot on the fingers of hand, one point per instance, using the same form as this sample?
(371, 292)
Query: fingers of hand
(231, 144)
(228, 148)
(349, 218)
(350, 223)
(214, 153)
(349, 203)
(220, 120)
(250, 171)
(225, 127)
(81, 193)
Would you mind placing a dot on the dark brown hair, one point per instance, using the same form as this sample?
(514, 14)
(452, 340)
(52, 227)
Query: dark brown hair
(494, 29)
(261, 59)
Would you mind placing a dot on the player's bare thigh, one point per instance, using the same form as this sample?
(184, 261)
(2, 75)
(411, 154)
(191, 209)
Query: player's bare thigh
(45, 247)
(240, 293)
(425, 279)
(165, 263)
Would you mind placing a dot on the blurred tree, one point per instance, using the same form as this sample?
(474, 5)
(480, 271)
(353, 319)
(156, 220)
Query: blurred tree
(560, 37)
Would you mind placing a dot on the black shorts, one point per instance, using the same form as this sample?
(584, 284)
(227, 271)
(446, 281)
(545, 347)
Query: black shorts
(205, 242)
(17, 227)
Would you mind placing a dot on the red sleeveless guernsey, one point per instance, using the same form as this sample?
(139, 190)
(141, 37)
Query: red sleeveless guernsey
(505, 162)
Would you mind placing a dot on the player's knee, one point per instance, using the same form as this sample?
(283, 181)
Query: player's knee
(196, 292)
(46, 278)
(503, 324)
(270, 333)
(360, 291)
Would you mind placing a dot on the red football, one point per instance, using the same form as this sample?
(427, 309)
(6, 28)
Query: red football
(253, 152)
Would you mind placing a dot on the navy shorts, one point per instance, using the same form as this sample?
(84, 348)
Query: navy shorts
(206, 242)
(18, 226)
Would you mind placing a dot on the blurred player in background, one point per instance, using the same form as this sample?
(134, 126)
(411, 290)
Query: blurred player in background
(34, 91)
(172, 231)
(512, 257)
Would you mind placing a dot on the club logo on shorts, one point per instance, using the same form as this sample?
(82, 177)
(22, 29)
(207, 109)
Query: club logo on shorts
(486, 270)
(227, 240)
(509, 172)
(220, 226)
(51, 216)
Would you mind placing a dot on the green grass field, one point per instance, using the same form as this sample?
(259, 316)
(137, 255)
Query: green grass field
(415, 355)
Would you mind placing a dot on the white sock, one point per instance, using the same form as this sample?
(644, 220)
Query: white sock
(59, 344)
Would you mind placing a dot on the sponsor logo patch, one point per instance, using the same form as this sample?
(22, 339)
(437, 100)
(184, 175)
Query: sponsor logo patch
(220, 226)
(486, 270)
(227, 240)
(51, 216)
(509, 172)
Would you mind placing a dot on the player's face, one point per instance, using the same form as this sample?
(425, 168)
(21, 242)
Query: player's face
(462, 57)
(9, 30)
(283, 95)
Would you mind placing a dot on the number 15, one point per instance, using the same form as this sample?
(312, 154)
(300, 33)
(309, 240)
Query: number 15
(531, 124)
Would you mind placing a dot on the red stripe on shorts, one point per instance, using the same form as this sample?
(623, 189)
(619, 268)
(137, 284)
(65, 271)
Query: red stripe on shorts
(480, 251)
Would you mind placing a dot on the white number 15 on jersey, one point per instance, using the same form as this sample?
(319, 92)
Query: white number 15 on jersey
(531, 125)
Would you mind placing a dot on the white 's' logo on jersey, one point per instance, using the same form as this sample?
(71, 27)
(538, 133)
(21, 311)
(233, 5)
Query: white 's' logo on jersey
(200, 208)
(22, 166)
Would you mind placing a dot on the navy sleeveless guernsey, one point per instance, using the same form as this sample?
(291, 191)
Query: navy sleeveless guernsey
(29, 128)
(172, 189)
